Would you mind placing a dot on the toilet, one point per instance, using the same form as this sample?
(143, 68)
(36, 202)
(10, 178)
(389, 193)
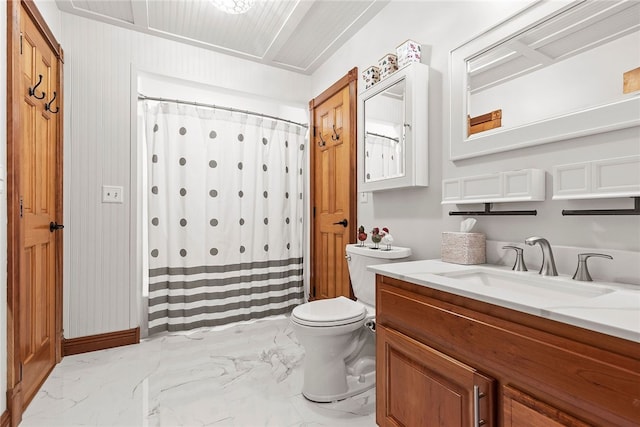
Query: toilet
(338, 334)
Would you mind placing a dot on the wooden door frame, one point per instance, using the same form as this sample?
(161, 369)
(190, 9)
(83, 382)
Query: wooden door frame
(15, 229)
(350, 79)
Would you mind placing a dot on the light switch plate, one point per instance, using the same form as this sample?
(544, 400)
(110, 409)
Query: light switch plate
(364, 197)
(112, 194)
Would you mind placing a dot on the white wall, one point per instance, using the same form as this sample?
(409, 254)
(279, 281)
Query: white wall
(52, 16)
(415, 216)
(101, 61)
(3, 208)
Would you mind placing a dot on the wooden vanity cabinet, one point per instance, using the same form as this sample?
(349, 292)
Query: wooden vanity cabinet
(446, 360)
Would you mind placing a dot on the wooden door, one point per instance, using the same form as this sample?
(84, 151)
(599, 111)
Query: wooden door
(35, 170)
(333, 187)
(419, 386)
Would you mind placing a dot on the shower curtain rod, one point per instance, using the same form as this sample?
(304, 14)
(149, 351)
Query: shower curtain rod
(384, 136)
(233, 110)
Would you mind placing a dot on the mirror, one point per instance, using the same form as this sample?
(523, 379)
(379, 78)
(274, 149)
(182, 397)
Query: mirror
(392, 131)
(384, 133)
(554, 71)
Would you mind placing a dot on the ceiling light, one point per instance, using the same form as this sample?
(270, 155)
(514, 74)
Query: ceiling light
(234, 7)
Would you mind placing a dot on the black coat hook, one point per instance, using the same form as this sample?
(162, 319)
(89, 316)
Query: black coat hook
(47, 106)
(335, 135)
(32, 91)
(322, 142)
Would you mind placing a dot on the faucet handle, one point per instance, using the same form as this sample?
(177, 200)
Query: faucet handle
(582, 272)
(519, 265)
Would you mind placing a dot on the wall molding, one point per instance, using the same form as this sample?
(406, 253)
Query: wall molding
(100, 341)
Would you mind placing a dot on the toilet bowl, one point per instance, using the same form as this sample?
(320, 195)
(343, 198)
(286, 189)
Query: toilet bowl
(338, 334)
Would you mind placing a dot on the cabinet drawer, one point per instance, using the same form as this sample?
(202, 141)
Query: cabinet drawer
(522, 410)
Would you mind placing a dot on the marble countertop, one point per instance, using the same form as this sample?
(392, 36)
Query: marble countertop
(609, 308)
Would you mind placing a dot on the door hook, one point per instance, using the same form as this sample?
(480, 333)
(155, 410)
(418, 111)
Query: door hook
(47, 106)
(32, 91)
(335, 135)
(322, 142)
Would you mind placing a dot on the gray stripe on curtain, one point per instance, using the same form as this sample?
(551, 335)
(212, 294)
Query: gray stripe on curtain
(221, 268)
(207, 323)
(254, 302)
(193, 284)
(212, 295)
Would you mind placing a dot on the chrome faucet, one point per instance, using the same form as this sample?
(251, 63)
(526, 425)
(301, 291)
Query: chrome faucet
(548, 267)
(582, 272)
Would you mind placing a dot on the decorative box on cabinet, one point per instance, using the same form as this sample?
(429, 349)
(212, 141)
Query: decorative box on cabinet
(606, 178)
(388, 65)
(512, 186)
(542, 372)
(407, 52)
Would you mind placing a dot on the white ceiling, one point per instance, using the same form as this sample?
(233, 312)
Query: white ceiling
(297, 35)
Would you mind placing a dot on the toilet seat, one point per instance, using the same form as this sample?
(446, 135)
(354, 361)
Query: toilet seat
(329, 312)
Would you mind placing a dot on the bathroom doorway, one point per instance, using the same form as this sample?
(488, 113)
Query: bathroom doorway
(333, 186)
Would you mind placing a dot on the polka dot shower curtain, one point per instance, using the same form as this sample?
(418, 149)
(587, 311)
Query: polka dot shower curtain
(225, 209)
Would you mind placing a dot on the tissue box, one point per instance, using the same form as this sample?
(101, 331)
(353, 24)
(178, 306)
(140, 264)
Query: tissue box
(388, 65)
(463, 248)
(408, 52)
(371, 76)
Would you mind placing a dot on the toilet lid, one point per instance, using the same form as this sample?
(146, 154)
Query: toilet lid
(329, 312)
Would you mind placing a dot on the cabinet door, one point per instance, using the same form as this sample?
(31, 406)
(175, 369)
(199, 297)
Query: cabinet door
(419, 386)
(523, 410)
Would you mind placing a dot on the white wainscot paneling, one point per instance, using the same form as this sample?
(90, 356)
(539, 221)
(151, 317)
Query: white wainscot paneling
(606, 178)
(511, 186)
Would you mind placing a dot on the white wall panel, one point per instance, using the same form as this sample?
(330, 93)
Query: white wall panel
(414, 216)
(99, 290)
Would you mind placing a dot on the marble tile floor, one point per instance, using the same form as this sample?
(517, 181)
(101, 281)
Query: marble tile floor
(243, 376)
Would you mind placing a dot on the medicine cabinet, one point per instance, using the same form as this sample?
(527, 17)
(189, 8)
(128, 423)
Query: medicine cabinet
(393, 131)
(554, 71)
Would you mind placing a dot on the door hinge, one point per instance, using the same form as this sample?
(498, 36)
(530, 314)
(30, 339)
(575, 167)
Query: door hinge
(314, 210)
(20, 43)
(21, 208)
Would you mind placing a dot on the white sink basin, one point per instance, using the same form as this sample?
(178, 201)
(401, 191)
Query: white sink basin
(529, 287)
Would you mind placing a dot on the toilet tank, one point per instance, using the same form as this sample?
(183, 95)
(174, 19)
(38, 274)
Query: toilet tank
(363, 281)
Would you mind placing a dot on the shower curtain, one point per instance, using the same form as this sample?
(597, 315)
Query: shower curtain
(384, 156)
(225, 211)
